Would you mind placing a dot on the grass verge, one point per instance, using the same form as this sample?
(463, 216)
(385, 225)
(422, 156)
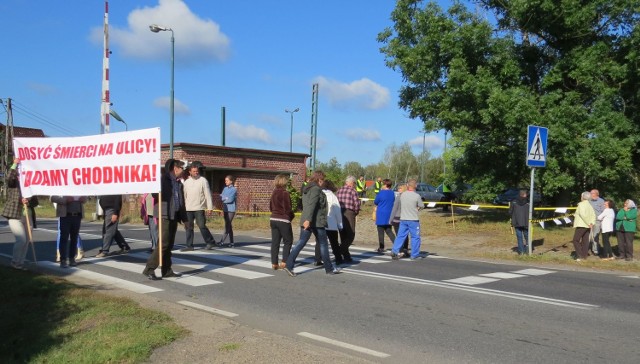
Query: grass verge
(49, 320)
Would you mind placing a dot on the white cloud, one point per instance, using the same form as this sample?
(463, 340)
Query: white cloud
(165, 103)
(359, 94)
(196, 39)
(248, 132)
(41, 88)
(359, 134)
(431, 142)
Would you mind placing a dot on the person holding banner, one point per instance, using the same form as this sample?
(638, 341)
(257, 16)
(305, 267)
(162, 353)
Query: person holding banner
(70, 210)
(173, 212)
(13, 212)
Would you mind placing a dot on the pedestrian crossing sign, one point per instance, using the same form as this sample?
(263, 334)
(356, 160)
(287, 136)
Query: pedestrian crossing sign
(537, 146)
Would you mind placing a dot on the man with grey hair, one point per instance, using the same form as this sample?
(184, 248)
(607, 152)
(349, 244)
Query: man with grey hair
(350, 207)
(410, 204)
(598, 207)
(583, 220)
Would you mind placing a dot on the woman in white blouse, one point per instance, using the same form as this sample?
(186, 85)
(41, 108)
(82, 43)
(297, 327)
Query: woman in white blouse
(607, 217)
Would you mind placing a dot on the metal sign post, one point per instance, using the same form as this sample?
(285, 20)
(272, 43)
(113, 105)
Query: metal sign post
(536, 158)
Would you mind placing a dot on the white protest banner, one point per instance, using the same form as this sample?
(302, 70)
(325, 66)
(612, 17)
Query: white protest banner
(105, 164)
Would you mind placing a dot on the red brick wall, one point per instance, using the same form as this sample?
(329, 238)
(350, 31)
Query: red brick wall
(254, 187)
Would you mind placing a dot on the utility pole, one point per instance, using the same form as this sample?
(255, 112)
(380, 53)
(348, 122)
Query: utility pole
(8, 139)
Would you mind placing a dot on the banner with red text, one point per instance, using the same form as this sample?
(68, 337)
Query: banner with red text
(105, 164)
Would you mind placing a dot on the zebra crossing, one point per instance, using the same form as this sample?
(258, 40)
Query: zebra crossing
(250, 262)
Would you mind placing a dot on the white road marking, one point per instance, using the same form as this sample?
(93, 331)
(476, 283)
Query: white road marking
(208, 309)
(471, 280)
(534, 272)
(102, 278)
(189, 280)
(486, 291)
(341, 344)
(215, 268)
(502, 275)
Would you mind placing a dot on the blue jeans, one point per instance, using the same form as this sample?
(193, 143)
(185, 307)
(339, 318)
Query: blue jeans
(522, 234)
(408, 227)
(201, 221)
(321, 238)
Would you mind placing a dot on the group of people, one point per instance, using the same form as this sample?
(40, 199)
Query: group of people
(329, 213)
(185, 198)
(594, 218)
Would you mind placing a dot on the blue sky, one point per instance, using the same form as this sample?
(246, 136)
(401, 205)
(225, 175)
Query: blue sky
(255, 58)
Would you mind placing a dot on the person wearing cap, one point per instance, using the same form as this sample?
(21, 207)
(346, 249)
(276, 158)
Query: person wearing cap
(173, 212)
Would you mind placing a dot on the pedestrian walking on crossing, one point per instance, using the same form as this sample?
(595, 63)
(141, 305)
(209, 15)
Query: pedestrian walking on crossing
(313, 221)
(280, 221)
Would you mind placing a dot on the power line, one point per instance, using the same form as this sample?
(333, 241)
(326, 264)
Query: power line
(39, 118)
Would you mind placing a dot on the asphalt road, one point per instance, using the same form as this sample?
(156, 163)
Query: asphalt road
(438, 310)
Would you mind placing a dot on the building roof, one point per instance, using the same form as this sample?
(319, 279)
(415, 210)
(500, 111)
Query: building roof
(21, 132)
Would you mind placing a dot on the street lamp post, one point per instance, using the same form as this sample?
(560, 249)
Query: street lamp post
(116, 116)
(156, 28)
(291, 137)
(424, 135)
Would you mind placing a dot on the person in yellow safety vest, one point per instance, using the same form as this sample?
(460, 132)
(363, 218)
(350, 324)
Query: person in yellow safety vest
(361, 187)
(377, 186)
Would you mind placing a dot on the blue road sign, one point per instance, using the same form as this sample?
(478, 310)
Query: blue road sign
(537, 146)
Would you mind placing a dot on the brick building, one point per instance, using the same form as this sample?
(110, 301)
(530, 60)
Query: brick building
(254, 170)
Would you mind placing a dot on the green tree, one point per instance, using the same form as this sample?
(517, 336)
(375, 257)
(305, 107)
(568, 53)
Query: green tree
(401, 161)
(571, 66)
(354, 169)
(332, 170)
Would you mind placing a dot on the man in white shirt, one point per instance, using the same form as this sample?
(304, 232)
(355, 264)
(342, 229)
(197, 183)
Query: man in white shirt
(197, 199)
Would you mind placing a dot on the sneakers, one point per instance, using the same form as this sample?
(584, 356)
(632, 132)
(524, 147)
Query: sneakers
(17, 266)
(57, 256)
(394, 256)
(80, 254)
(419, 257)
(289, 272)
(335, 271)
(380, 250)
(209, 246)
(187, 249)
(318, 264)
(102, 254)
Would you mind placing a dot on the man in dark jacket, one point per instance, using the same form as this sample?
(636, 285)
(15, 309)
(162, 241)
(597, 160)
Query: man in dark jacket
(313, 221)
(519, 211)
(173, 212)
(111, 205)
